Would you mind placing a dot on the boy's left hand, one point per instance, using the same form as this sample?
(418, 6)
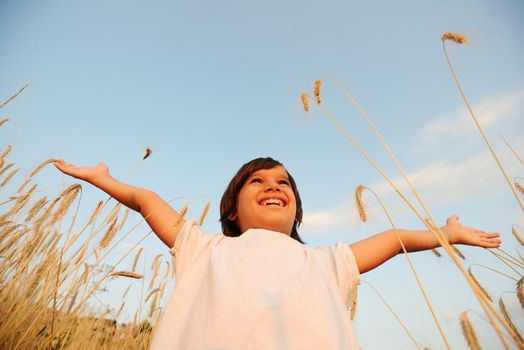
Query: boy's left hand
(458, 234)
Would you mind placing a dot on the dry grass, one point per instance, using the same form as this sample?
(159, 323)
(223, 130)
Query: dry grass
(455, 37)
(359, 202)
(494, 317)
(469, 332)
(50, 275)
(304, 98)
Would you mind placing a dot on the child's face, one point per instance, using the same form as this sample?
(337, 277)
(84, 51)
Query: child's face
(267, 201)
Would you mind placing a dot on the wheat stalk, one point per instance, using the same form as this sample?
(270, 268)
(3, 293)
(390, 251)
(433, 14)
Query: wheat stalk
(7, 167)
(486, 294)
(455, 37)
(8, 177)
(304, 98)
(517, 236)
(204, 213)
(460, 39)
(128, 274)
(469, 331)
(137, 256)
(515, 334)
(6, 151)
(148, 153)
(360, 203)
(513, 151)
(110, 234)
(316, 91)
(436, 231)
(520, 291)
(14, 96)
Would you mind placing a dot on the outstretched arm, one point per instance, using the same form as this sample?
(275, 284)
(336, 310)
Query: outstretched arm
(160, 216)
(376, 250)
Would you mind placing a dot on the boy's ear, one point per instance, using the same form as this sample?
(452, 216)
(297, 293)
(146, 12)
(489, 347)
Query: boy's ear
(232, 217)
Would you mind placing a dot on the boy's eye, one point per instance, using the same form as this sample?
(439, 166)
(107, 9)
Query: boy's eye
(283, 182)
(256, 179)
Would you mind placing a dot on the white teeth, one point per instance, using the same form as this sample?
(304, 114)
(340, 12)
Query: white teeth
(273, 201)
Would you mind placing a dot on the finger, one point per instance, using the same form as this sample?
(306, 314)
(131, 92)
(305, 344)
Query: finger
(494, 244)
(489, 235)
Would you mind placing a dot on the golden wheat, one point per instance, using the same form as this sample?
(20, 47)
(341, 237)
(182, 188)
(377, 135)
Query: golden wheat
(469, 331)
(6, 151)
(127, 274)
(455, 37)
(135, 261)
(316, 90)
(516, 334)
(486, 294)
(110, 234)
(14, 96)
(204, 213)
(304, 97)
(520, 291)
(148, 153)
(359, 202)
(8, 177)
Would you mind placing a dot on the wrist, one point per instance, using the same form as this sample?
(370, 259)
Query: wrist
(99, 179)
(449, 235)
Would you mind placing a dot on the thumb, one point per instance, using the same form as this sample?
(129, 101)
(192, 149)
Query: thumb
(453, 219)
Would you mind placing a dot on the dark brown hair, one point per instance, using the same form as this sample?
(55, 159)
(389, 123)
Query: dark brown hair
(229, 201)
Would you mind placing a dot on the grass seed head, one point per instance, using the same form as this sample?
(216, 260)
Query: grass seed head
(67, 197)
(7, 167)
(479, 285)
(8, 177)
(469, 332)
(505, 314)
(204, 213)
(455, 37)
(304, 97)
(6, 151)
(520, 291)
(41, 166)
(127, 274)
(316, 90)
(148, 153)
(360, 203)
(137, 256)
(3, 121)
(110, 234)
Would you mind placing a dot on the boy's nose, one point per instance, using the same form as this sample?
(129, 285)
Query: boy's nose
(272, 186)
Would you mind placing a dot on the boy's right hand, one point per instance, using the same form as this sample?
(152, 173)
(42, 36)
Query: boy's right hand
(86, 173)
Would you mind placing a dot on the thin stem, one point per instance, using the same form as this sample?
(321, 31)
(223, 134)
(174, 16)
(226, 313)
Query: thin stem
(497, 271)
(412, 267)
(394, 314)
(480, 128)
(512, 150)
(432, 227)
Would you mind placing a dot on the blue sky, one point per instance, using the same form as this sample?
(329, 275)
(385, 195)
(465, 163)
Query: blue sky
(210, 85)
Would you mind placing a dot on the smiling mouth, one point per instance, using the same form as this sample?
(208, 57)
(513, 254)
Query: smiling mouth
(272, 202)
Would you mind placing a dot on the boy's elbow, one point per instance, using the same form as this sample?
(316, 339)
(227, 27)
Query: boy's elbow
(142, 198)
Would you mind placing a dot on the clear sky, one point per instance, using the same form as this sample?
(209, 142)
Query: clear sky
(209, 85)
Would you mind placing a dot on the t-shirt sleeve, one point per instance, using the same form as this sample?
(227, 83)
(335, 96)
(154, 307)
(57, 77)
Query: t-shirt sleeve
(190, 243)
(343, 266)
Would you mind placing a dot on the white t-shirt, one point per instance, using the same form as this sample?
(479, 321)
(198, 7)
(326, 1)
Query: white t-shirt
(261, 290)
